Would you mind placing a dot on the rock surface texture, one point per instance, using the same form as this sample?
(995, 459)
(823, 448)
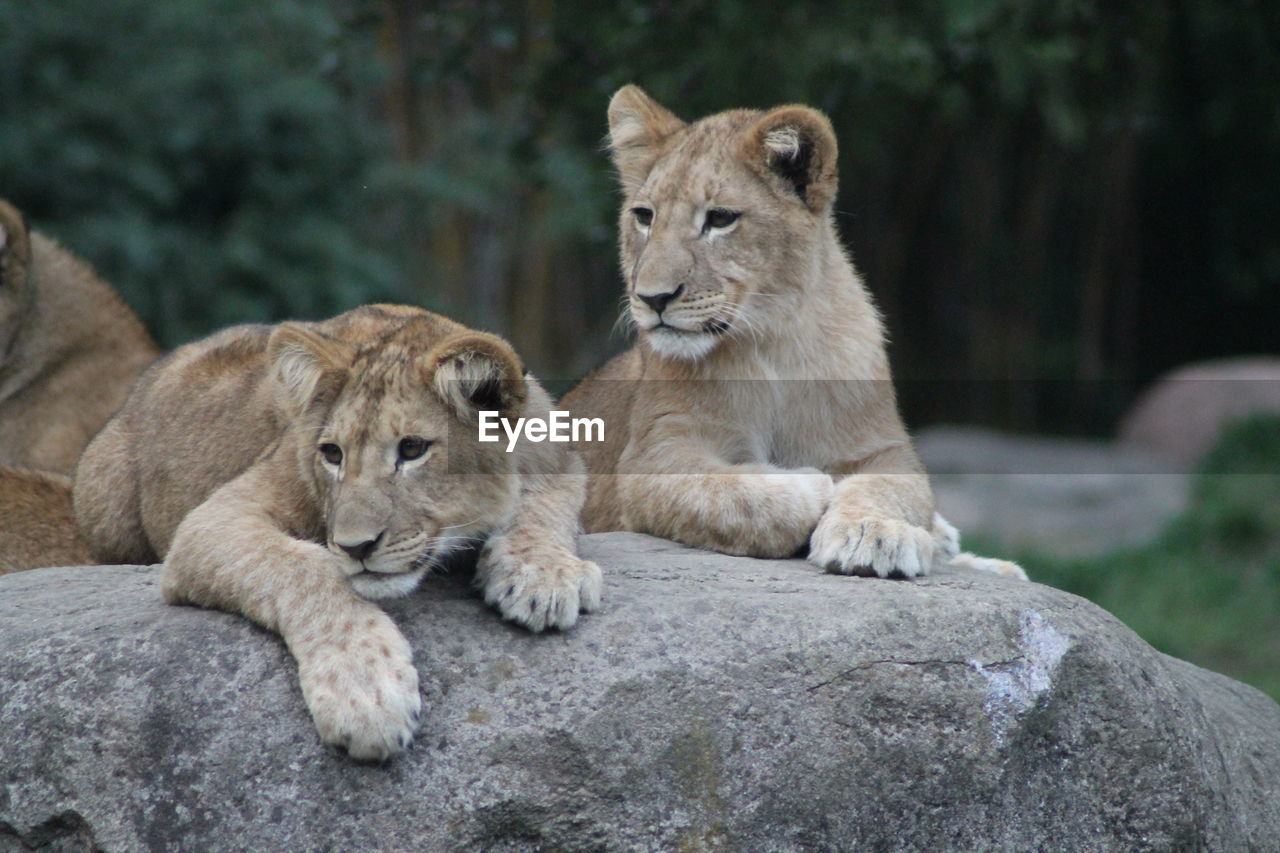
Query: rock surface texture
(715, 703)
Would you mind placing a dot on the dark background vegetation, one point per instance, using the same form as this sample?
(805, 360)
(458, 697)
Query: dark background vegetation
(1058, 200)
(1052, 200)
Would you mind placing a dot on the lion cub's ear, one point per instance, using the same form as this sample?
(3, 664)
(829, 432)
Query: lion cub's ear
(307, 366)
(15, 249)
(477, 372)
(796, 147)
(637, 123)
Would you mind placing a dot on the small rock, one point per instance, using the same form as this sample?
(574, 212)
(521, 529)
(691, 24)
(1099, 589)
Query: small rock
(1183, 414)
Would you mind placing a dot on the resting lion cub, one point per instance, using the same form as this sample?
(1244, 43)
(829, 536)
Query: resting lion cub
(69, 350)
(37, 527)
(289, 473)
(756, 414)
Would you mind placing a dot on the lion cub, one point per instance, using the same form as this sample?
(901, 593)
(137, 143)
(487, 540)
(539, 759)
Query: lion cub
(37, 526)
(69, 350)
(290, 473)
(755, 415)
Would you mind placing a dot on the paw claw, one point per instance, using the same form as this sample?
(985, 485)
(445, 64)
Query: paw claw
(873, 547)
(541, 591)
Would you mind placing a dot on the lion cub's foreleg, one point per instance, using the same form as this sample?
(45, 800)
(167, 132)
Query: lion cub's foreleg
(882, 524)
(754, 510)
(530, 570)
(355, 667)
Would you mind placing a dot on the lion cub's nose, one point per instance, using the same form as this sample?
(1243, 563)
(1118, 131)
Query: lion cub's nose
(659, 301)
(359, 550)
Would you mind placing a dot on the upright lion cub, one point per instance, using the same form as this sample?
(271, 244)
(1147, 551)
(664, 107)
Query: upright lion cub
(756, 414)
(290, 473)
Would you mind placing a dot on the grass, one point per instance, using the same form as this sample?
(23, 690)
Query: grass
(1207, 589)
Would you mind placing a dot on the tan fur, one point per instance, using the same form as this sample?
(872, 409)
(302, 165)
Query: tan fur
(37, 526)
(763, 421)
(69, 350)
(216, 465)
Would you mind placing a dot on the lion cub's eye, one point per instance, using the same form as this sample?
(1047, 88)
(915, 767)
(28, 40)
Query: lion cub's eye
(718, 217)
(643, 215)
(412, 447)
(332, 453)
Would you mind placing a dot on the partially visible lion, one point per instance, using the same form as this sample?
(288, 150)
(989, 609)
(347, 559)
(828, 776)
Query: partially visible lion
(69, 350)
(291, 473)
(756, 414)
(37, 525)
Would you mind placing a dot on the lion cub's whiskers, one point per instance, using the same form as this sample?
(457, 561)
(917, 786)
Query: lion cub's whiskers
(739, 319)
(625, 321)
(460, 524)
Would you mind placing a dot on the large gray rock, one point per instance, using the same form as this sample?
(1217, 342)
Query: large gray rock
(715, 703)
(1062, 496)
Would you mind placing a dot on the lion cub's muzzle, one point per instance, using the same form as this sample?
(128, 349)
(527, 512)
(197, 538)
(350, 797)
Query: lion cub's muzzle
(681, 310)
(358, 547)
(380, 568)
(377, 556)
(681, 325)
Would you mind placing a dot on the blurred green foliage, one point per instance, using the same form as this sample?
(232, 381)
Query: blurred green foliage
(1038, 189)
(1208, 589)
(208, 157)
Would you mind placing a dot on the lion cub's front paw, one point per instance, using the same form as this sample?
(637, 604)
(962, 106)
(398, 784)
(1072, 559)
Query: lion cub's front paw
(535, 588)
(871, 546)
(362, 689)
